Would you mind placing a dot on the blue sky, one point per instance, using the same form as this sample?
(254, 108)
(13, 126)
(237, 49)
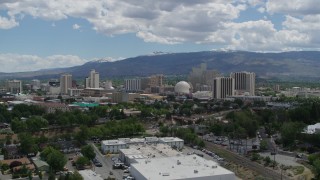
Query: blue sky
(38, 34)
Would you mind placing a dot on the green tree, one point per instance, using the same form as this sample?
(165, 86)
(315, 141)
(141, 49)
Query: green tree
(35, 123)
(56, 160)
(88, 152)
(18, 125)
(27, 143)
(316, 167)
(289, 132)
(263, 145)
(82, 161)
(82, 135)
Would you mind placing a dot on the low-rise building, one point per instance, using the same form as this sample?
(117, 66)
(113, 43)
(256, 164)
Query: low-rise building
(113, 146)
(172, 141)
(41, 165)
(146, 151)
(88, 174)
(190, 167)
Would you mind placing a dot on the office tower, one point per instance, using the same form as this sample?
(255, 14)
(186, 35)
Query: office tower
(156, 80)
(35, 84)
(93, 80)
(244, 82)
(223, 87)
(200, 77)
(132, 85)
(14, 86)
(65, 83)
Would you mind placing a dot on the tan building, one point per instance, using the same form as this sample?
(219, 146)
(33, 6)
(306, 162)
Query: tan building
(223, 87)
(244, 82)
(65, 83)
(14, 86)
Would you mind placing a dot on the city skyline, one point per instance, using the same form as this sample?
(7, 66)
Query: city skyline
(37, 35)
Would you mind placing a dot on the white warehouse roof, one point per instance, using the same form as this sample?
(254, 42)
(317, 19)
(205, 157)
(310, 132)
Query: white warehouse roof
(180, 167)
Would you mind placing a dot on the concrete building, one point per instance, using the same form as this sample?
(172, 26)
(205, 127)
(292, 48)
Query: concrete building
(132, 85)
(190, 167)
(65, 83)
(123, 143)
(200, 76)
(146, 151)
(88, 174)
(223, 87)
(53, 107)
(74, 92)
(244, 82)
(93, 80)
(172, 141)
(35, 84)
(14, 86)
(113, 146)
(156, 80)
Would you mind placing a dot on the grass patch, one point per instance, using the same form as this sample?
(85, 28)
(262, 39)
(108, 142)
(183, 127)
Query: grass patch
(297, 170)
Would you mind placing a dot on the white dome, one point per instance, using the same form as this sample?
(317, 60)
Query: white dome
(182, 87)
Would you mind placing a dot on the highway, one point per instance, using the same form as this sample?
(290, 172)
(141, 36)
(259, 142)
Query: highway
(238, 159)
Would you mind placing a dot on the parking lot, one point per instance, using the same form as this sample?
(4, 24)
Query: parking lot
(107, 162)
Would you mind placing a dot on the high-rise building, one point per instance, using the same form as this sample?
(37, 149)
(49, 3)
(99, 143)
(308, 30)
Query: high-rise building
(35, 84)
(14, 86)
(244, 82)
(65, 83)
(93, 80)
(132, 85)
(156, 80)
(223, 87)
(200, 76)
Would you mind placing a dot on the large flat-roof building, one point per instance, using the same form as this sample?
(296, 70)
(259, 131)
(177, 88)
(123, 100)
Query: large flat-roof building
(147, 151)
(190, 167)
(113, 146)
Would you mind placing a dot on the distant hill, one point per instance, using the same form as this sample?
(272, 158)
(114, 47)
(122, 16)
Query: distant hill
(285, 65)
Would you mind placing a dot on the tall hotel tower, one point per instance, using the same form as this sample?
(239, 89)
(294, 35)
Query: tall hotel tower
(65, 83)
(223, 87)
(244, 82)
(93, 80)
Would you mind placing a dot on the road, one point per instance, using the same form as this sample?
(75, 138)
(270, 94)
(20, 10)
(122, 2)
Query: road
(107, 163)
(238, 159)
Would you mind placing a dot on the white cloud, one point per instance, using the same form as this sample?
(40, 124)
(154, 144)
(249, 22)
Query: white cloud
(261, 9)
(293, 7)
(181, 21)
(6, 23)
(21, 63)
(76, 26)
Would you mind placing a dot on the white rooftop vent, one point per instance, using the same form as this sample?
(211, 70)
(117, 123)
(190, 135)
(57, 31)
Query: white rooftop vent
(165, 174)
(178, 162)
(195, 171)
(194, 157)
(213, 167)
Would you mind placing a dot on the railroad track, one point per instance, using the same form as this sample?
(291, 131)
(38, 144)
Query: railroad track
(238, 159)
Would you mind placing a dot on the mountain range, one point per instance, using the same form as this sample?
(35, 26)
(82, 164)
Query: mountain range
(284, 65)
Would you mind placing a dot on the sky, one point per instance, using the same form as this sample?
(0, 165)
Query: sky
(38, 34)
